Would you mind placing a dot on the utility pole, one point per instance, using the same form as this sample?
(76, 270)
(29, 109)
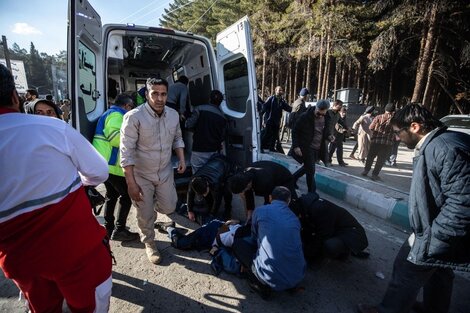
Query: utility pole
(6, 52)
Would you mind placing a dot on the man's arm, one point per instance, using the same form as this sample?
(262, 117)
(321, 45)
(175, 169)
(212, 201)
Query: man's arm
(112, 129)
(452, 224)
(192, 120)
(181, 164)
(128, 142)
(249, 199)
(134, 190)
(91, 166)
(374, 123)
(190, 203)
(285, 106)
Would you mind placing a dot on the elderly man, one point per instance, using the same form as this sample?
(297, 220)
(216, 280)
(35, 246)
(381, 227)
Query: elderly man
(149, 133)
(439, 210)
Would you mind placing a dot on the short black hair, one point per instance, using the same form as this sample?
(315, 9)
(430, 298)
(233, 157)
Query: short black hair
(415, 113)
(216, 97)
(33, 92)
(238, 182)
(183, 79)
(49, 97)
(155, 81)
(122, 99)
(199, 184)
(281, 193)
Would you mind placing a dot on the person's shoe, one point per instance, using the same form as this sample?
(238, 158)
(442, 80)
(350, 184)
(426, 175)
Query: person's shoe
(364, 173)
(375, 178)
(124, 235)
(364, 308)
(109, 232)
(163, 226)
(263, 290)
(343, 164)
(361, 254)
(387, 163)
(328, 164)
(152, 253)
(351, 156)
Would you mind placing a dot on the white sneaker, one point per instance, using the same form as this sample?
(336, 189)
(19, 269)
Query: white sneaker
(152, 253)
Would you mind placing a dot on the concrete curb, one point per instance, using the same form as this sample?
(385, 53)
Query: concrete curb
(376, 198)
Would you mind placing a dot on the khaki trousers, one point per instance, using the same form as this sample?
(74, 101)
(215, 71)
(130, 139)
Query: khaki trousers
(158, 196)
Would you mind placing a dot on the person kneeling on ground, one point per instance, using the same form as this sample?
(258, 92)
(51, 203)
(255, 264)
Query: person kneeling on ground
(260, 179)
(328, 231)
(210, 183)
(273, 254)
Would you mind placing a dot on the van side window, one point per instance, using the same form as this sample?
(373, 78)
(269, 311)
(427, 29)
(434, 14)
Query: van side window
(87, 77)
(237, 86)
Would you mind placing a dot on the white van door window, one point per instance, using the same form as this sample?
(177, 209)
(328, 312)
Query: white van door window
(237, 84)
(87, 77)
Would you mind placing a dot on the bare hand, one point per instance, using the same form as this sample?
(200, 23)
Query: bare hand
(331, 138)
(181, 167)
(191, 216)
(135, 192)
(298, 151)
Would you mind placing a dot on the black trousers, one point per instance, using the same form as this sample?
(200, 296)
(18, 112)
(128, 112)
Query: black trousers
(382, 152)
(309, 157)
(116, 188)
(409, 278)
(270, 137)
(337, 146)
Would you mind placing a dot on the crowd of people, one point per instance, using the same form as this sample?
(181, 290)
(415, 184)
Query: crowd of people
(53, 248)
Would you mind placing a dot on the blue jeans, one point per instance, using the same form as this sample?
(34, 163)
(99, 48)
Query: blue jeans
(409, 278)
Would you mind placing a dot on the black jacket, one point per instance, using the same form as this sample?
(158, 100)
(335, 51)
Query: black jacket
(209, 125)
(439, 203)
(216, 171)
(322, 220)
(265, 175)
(304, 129)
(331, 118)
(272, 110)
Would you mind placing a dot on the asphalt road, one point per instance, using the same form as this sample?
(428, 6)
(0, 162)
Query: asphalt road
(184, 282)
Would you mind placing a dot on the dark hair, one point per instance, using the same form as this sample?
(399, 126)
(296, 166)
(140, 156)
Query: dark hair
(238, 182)
(49, 97)
(415, 113)
(199, 185)
(48, 103)
(281, 193)
(155, 81)
(33, 92)
(216, 97)
(183, 79)
(122, 99)
(338, 102)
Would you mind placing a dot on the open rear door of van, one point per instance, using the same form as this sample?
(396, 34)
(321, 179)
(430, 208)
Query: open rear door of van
(237, 80)
(85, 66)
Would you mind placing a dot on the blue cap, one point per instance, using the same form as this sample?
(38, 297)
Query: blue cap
(304, 92)
(323, 104)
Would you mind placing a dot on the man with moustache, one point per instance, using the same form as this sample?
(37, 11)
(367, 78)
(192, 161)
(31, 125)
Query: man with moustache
(149, 133)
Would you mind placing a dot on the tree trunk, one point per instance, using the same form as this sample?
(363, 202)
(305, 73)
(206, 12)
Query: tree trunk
(390, 85)
(429, 83)
(350, 74)
(278, 72)
(343, 74)
(335, 87)
(423, 67)
(320, 69)
(454, 102)
(272, 77)
(263, 73)
(296, 72)
(326, 75)
(288, 81)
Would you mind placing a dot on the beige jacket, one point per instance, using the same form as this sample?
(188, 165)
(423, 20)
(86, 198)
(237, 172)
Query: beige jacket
(147, 141)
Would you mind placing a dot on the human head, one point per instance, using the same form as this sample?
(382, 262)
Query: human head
(49, 97)
(31, 94)
(304, 93)
(8, 96)
(390, 108)
(66, 101)
(46, 108)
(321, 107)
(337, 105)
(343, 112)
(124, 101)
(278, 91)
(281, 193)
(216, 97)
(369, 109)
(239, 182)
(156, 93)
(412, 123)
(200, 185)
(183, 79)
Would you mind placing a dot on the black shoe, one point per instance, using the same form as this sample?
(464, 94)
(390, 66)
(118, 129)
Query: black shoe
(361, 254)
(343, 164)
(263, 290)
(364, 173)
(163, 226)
(124, 235)
(375, 178)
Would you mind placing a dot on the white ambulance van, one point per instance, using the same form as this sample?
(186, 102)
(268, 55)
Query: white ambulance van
(119, 58)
